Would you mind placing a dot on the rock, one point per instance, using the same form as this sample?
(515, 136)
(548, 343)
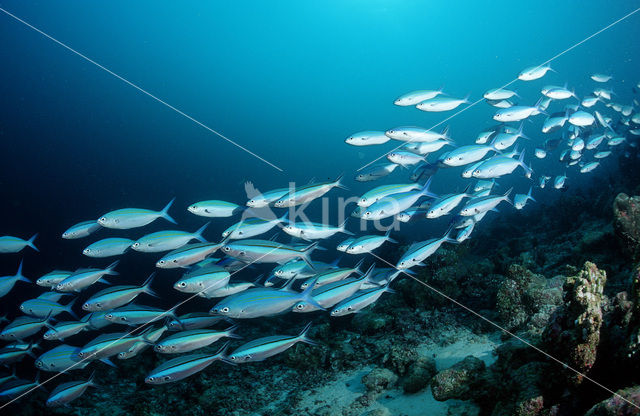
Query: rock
(573, 334)
(419, 375)
(626, 223)
(616, 406)
(369, 322)
(463, 409)
(457, 381)
(399, 357)
(381, 411)
(379, 379)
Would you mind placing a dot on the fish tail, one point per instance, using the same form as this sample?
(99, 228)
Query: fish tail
(367, 275)
(356, 268)
(445, 133)
(529, 194)
(306, 296)
(109, 269)
(306, 252)
(387, 235)
(338, 182)
(231, 332)
(465, 100)
(198, 233)
(19, 274)
(31, 240)
(69, 308)
(303, 337)
(91, 382)
(344, 231)
(146, 286)
(165, 212)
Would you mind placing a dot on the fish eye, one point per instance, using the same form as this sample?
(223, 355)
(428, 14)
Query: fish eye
(85, 306)
(227, 249)
(103, 219)
(108, 316)
(80, 354)
(151, 378)
(225, 309)
(175, 260)
(183, 284)
(166, 378)
(116, 220)
(349, 308)
(239, 232)
(299, 306)
(335, 311)
(99, 305)
(233, 357)
(161, 262)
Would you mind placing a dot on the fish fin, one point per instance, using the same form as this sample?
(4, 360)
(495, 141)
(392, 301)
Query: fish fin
(445, 133)
(338, 183)
(388, 236)
(198, 234)
(101, 280)
(356, 268)
(146, 286)
(231, 332)
(165, 212)
(306, 296)
(345, 231)
(112, 266)
(31, 240)
(305, 252)
(334, 264)
(425, 189)
(304, 337)
(91, 382)
(68, 307)
(367, 275)
(465, 100)
(19, 274)
(108, 362)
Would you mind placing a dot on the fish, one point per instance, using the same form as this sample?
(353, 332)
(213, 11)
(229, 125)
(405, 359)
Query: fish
(615, 141)
(61, 358)
(368, 243)
(262, 348)
(424, 148)
(499, 94)
(447, 203)
(108, 247)
(65, 393)
(8, 282)
(345, 244)
(420, 251)
(483, 204)
(81, 230)
(405, 158)
(603, 93)
(42, 308)
(332, 293)
(167, 240)
(540, 153)
(215, 208)
(465, 155)
(555, 122)
(504, 140)
(379, 192)
(517, 112)
(52, 278)
(127, 218)
(589, 101)
(15, 388)
(206, 279)
(332, 275)
(602, 155)
(193, 320)
(589, 167)
(413, 213)
(266, 198)
(259, 302)
(133, 315)
(500, 166)
(488, 134)
(439, 104)
(560, 93)
(66, 329)
(416, 97)
(578, 145)
(520, 200)
(265, 251)
(304, 194)
(600, 77)
(500, 103)
(96, 320)
(359, 301)
(559, 181)
(187, 341)
(483, 185)
(251, 227)
(187, 255)
(182, 367)
(543, 181)
(417, 134)
(9, 244)
(12, 354)
(594, 141)
(106, 345)
(534, 72)
(367, 138)
(581, 119)
(83, 278)
(314, 231)
(375, 172)
(465, 232)
(137, 348)
(116, 296)
(395, 203)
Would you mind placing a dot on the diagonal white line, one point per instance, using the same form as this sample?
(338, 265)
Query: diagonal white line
(165, 313)
(489, 321)
(182, 113)
(510, 82)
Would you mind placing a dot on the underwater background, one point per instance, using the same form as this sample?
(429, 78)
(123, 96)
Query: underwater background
(290, 80)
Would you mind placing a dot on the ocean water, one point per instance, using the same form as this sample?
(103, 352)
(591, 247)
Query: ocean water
(289, 81)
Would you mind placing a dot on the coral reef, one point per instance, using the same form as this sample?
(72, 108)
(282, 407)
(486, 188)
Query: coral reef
(626, 212)
(457, 381)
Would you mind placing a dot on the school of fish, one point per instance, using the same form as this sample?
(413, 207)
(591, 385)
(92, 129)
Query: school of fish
(587, 130)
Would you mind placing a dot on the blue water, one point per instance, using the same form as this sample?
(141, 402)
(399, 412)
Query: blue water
(289, 80)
